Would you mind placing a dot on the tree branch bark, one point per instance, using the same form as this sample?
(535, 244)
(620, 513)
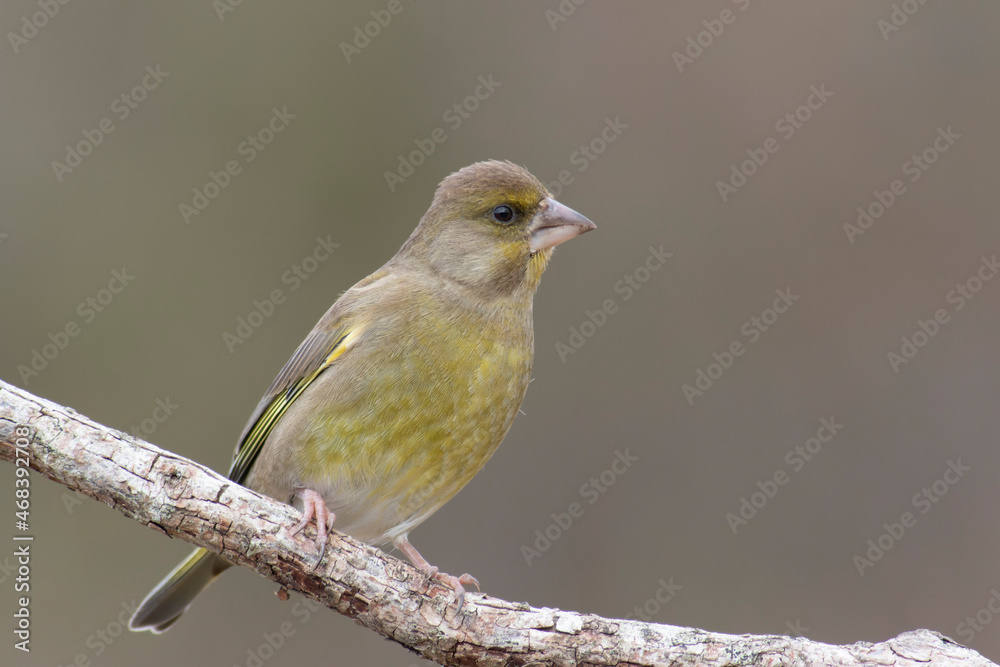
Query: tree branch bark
(183, 499)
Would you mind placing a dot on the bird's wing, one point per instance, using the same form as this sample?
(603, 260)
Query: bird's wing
(331, 337)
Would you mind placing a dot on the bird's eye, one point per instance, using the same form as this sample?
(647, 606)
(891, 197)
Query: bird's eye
(503, 214)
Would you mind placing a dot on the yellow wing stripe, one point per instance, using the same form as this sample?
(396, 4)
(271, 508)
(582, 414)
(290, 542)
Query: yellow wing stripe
(254, 441)
(341, 346)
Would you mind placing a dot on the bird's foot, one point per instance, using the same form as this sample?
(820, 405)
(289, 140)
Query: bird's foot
(457, 584)
(314, 507)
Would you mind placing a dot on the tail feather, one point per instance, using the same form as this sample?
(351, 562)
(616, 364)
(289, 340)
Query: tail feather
(177, 591)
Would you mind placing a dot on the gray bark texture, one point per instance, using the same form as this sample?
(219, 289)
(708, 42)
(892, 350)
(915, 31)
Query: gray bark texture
(185, 500)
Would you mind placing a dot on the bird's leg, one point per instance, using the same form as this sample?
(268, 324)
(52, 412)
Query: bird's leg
(313, 506)
(455, 583)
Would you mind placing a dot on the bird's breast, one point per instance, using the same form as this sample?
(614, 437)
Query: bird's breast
(405, 423)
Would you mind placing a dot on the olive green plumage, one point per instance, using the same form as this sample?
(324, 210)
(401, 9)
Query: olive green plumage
(407, 385)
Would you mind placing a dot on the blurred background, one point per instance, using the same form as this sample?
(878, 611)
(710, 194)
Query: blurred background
(797, 378)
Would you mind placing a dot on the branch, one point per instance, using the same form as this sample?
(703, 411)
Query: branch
(186, 500)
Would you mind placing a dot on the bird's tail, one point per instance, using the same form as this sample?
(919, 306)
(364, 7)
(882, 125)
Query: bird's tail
(177, 591)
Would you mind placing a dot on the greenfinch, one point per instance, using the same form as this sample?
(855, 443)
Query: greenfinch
(406, 386)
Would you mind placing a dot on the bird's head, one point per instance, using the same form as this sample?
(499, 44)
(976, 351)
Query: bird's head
(492, 227)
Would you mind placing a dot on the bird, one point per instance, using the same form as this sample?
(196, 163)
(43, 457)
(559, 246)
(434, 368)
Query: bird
(407, 385)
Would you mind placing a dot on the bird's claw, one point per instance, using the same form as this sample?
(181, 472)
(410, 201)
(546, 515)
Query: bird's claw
(314, 507)
(457, 584)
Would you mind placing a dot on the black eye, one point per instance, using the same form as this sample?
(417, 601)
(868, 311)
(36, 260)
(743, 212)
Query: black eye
(503, 214)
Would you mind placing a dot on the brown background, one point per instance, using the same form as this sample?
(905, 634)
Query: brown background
(655, 185)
